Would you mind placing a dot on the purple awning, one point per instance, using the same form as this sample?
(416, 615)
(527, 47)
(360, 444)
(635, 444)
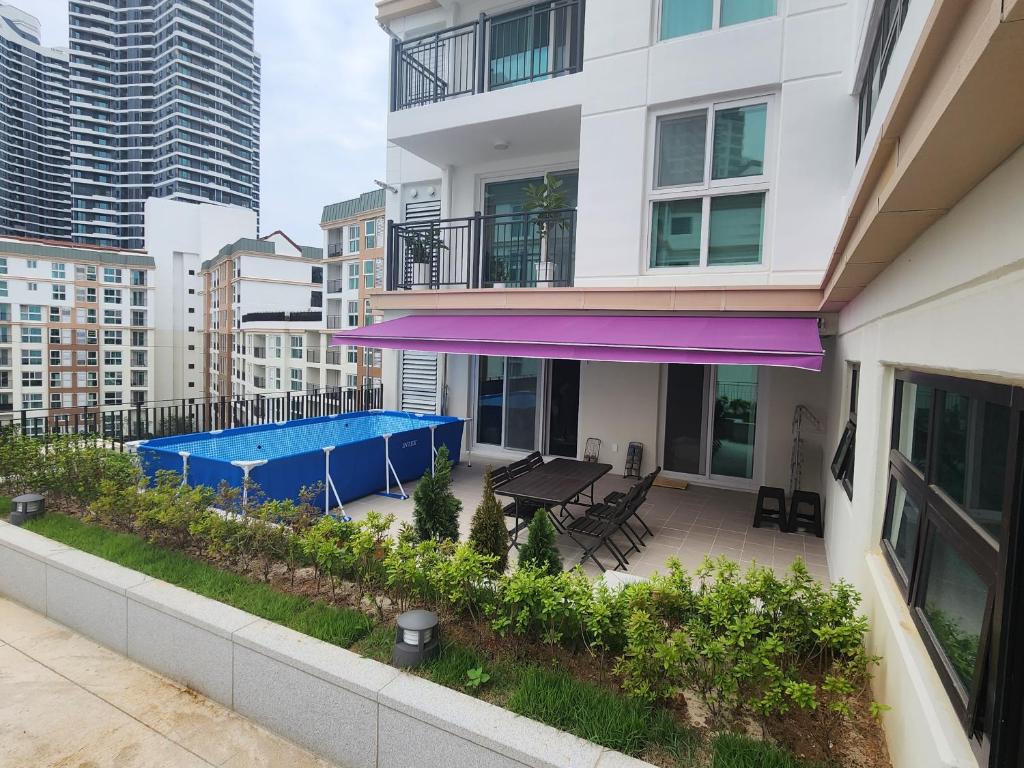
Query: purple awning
(723, 340)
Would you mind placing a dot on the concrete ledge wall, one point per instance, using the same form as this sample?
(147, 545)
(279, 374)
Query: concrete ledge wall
(353, 711)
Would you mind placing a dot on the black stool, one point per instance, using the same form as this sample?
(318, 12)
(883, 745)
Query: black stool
(808, 521)
(764, 514)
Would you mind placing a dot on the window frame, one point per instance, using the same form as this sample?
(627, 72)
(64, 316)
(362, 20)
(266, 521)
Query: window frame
(709, 188)
(843, 461)
(716, 21)
(996, 563)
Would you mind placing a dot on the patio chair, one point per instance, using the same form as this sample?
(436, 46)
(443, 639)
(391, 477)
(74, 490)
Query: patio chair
(599, 525)
(520, 511)
(525, 464)
(646, 483)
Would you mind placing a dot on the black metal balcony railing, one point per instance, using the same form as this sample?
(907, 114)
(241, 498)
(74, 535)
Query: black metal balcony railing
(495, 251)
(335, 249)
(114, 426)
(335, 286)
(537, 42)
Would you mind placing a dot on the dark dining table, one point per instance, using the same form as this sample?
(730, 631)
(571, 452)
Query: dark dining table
(555, 485)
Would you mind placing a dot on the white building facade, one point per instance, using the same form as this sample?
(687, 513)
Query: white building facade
(851, 163)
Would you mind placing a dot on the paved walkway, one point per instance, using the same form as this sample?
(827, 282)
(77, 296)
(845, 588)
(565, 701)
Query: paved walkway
(66, 701)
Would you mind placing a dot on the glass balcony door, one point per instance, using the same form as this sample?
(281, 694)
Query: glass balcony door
(512, 243)
(709, 421)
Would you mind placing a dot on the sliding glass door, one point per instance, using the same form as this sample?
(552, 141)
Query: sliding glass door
(527, 404)
(709, 421)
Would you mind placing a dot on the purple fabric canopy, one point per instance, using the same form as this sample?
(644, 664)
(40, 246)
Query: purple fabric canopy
(724, 340)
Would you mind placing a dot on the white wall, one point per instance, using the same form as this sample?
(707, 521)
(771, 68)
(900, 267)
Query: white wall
(179, 237)
(950, 304)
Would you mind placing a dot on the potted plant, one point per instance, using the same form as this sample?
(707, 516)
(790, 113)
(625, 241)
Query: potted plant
(422, 248)
(548, 202)
(498, 274)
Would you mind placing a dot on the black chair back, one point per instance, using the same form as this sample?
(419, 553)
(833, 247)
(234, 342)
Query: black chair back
(500, 476)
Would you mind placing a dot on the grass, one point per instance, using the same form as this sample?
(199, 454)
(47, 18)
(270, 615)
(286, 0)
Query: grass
(548, 695)
(341, 626)
(597, 714)
(5, 506)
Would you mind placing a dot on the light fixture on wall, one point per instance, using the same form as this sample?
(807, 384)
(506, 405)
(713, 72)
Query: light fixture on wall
(501, 145)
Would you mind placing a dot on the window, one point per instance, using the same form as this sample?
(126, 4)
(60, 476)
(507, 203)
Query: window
(111, 275)
(952, 462)
(138, 317)
(3, 265)
(296, 379)
(709, 186)
(32, 264)
(112, 316)
(351, 354)
(507, 397)
(32, 286)
(296, 347)
(351, 380)
(353, 276)
(113, 379)
(112, 357)
(31, 378)
(111, 296)
(3, 289)
(31, 312)
(112, 398)
(138, 338)
(85, 295)
(34, 400)
(31, 335)
(686, 17)
(139, 378)
(890, 24)
(113, 338)
(138, 277)
(367, 313)
(31, 357)
(353, 314)
(58, 271)
(370, 228)
(353, 239)
(842, 461)
(86, 272)
(59, 292)
(368, 274)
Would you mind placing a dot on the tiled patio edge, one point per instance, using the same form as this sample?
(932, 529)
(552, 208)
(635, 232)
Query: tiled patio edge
(351, 710)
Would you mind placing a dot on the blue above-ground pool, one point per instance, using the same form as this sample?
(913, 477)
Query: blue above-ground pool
(352, 454)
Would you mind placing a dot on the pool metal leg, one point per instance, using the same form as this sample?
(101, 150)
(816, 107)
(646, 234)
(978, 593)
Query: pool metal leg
(184, 467)
(329, 486)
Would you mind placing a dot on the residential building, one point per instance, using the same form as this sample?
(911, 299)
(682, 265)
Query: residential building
(354, 244)
(164, 103)
(76, 328)
(749, 192)
(35, 131)
(179, 237)
(263, 306)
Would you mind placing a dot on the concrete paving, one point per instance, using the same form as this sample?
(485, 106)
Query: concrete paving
(66, 701)
(687, 524)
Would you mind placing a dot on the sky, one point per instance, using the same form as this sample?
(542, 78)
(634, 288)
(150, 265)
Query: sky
(324, 104)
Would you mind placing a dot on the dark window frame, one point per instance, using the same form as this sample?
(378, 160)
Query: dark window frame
(991, 706)
(843, 460)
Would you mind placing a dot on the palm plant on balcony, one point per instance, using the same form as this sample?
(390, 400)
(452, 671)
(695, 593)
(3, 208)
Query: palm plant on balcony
(423, 248)
(547, 201)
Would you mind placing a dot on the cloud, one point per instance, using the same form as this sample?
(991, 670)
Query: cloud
(323, 107)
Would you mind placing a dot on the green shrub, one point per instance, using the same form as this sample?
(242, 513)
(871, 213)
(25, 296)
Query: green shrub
(462, 578)
(540, 550)
(436, 509)
(487, 531)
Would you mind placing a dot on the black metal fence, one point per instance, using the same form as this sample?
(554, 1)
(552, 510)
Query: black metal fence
(537, 42)
(115, 426)
(519, 250)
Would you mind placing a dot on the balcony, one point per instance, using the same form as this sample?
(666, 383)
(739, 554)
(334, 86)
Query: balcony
(312, 355)
(496, 251)
(260, 382)
(539, 42)
(335, 249)
(259, 352)
(335, 322)
(333, 357)
(335, 286)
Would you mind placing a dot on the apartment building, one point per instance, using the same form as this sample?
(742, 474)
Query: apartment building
(76, 328)
(263, 305)
(354, 244)
(165, 102)
(772, 220)
(35, 131)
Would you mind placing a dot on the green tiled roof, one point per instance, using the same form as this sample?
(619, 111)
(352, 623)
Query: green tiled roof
(346, 209)
(85, 255)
